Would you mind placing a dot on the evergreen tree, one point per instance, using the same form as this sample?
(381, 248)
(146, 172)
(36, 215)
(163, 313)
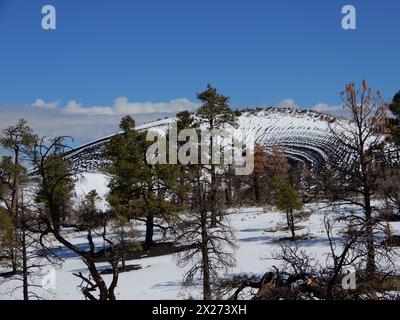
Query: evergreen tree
(185, 120)
(19, 140)
(54, 178)
(16, 218)
(215, 113)
(287, 200)
(139, 190)
(124, 232)
(61, 184)
(88, 214)
(8, 238)
(210, 249)
(395, 123)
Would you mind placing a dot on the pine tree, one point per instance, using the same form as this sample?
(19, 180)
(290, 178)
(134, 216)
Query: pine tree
(215, 113)
(139, 190)
(395, 123)
(209, 249)
(54, 181)
(8, 238)
(19, 141)
(287, 200)
(185, 120)
(88, 214)
(124, 232)
(61, 183)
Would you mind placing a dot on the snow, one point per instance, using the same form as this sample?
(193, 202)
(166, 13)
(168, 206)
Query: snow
(160, 278)
(92, 181)
(305, 135)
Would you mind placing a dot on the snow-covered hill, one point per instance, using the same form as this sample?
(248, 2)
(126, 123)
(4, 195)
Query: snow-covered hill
(304, 135)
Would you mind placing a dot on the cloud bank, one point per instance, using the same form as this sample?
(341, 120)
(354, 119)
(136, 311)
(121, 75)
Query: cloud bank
(323, 107)
(84, 124)
(335, 110)
(121, 106)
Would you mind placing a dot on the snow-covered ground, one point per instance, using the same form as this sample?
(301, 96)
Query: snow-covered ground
(92, 181)
(160, 278)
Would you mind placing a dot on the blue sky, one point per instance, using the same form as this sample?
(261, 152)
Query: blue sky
(258, 52)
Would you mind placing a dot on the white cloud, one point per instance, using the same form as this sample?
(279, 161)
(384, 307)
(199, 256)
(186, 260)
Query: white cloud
(324, 107)
(287, 103)
(48, 105)
(121, 106)
(88, 123)
(82, 127)
(335, 110)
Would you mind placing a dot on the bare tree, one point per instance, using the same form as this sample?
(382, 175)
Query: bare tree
(353, 179)
(299, 276)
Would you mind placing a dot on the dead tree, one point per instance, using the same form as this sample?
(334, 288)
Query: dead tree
(300, 277)
(353, 179)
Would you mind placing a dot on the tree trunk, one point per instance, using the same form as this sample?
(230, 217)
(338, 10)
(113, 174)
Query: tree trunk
(256, 188)
(102, 287)
(213, 198)
(123, 265)
(228, 190)
(15, 186)
(205, 259)
(292, 225)
(288, 219)
(228, 197)
(148, 243)
(182, 188)
(14, 211)
(114, 282)
(124, 248)
(14, 260)
(87, 257)
(369, 229)
(24, 266)
(104, 233)
(371, 265)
